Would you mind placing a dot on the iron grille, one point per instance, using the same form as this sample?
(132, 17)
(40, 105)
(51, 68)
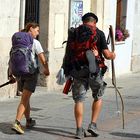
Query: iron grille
(32, 11)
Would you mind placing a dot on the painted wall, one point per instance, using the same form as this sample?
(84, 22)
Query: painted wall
(9, 21)
(57, 33)
(136, 38)
(124, 51)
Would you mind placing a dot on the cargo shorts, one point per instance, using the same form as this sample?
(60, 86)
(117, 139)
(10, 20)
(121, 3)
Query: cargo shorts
(95, 83)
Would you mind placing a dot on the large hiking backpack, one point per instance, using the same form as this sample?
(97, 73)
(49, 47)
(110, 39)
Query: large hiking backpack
(21, 62)
(80, 40)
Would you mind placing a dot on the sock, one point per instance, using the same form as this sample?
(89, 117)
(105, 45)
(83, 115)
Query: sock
(16, 121)
(29, 120)
(93, 123)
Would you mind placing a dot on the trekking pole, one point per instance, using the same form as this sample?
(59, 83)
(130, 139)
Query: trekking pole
(114, 77)
(9, 82)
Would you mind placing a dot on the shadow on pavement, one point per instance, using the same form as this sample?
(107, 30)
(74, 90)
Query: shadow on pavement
(35, 109)
(130, 135)
(54, 130)
(5, 128)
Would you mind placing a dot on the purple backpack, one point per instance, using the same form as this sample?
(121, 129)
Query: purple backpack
(21, 62)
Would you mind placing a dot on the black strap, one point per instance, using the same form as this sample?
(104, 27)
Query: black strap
(64, 42)
(108, 39)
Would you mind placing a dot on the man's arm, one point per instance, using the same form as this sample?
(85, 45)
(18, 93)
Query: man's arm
(44, 63)
(108, 54)
(105, 51)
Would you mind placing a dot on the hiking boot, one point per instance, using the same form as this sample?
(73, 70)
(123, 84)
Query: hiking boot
(80, 133)
(92, 129)
(30, 123)
(18, 128)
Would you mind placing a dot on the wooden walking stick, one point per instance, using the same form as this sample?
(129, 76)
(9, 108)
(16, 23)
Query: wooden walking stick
(113, 75)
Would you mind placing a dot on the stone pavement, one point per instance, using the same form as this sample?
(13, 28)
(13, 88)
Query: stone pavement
(53, 112)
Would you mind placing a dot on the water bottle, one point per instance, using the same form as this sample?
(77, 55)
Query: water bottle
(67, 86)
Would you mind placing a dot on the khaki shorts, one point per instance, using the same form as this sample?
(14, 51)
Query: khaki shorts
(79, 88)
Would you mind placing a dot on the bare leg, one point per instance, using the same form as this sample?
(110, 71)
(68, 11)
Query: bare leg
(96, 108)
(23, 104)
(27, 111)
(78, 111)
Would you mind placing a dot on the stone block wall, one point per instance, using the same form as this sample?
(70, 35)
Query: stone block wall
(9, 21)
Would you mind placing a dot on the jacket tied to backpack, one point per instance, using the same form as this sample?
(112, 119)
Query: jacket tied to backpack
(20, 62)
(80, 40)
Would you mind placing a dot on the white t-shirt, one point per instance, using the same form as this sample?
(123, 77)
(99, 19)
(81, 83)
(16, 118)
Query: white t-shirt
(36, 49)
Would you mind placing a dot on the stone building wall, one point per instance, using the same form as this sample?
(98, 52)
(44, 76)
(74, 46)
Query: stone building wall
(135, 66)
(9, 22)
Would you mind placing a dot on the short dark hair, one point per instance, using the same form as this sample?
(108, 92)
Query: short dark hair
(89, 19)
(87, 15)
